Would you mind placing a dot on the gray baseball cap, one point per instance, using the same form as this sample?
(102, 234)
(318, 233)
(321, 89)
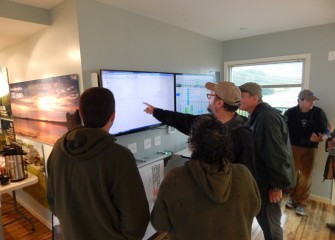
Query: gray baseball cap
(308, 95)
(252, 88)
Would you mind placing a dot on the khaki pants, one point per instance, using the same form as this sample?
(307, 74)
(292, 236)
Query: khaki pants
(304, 159)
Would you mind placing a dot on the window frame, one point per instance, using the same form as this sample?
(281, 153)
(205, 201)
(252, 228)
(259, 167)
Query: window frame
(304, 58)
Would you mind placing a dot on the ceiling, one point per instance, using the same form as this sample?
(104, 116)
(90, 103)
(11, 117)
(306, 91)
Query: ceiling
(46, 4)
(13, 31)
(218, 19)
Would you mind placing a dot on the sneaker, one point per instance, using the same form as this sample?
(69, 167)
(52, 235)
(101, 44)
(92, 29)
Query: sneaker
(331, 226)
(290, 203)
(301, 211)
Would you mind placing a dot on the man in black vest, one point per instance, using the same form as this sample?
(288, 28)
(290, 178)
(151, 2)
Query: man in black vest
(308, 125)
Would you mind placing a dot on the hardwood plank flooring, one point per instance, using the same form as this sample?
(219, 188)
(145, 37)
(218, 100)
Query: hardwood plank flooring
(21, 229)
(310, 227)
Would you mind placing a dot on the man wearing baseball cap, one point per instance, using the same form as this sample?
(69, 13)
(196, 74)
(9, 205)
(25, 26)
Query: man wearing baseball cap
(226, 91)
(224, 100)
(308, 125)
(274, 161)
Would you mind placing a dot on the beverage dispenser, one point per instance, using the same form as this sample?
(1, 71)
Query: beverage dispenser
(15, 166)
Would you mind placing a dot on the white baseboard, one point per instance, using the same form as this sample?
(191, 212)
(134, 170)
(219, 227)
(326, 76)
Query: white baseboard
(320, 199)
(37, 210)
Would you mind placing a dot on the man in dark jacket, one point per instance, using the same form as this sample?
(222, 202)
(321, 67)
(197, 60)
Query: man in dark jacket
(273, 157)
(308, 125)
(94, 187)
(223, 103)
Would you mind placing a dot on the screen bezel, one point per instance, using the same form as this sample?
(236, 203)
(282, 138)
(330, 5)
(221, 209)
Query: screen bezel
(148, 127)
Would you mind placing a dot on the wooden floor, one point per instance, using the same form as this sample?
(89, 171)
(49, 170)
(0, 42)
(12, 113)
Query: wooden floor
(308, 227)
(312, 226)
(21, 229)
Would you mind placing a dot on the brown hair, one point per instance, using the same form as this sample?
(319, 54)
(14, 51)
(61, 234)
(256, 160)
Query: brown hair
(96, 106)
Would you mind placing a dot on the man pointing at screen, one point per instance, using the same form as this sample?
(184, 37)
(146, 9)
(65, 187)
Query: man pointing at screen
(224, 99)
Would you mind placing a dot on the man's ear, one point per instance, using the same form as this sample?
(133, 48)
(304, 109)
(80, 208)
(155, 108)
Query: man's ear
(256, 98)
(219, 102)
(112, 117)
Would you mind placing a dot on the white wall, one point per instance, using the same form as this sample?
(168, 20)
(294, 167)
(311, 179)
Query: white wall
(112, 38)
(115, 39)
(317, 41)
(52, 52)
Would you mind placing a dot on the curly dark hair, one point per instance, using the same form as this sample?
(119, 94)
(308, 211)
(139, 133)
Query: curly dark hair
(210, 141)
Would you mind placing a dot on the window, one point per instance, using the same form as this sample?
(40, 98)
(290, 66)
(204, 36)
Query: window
(281, 78)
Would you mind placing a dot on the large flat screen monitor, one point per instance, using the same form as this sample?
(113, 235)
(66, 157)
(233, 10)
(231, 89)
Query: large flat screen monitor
(191, 93)
(131, 89)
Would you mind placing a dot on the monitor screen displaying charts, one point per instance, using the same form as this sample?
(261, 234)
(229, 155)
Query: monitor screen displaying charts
(191, 93)
(131, 89)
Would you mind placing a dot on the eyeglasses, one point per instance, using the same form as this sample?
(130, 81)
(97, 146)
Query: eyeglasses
(209, 95)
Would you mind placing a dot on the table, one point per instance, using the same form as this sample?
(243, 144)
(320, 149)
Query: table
(12, 187)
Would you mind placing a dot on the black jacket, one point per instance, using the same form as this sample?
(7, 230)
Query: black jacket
(274, 159)
(243, 143)
(315, 121)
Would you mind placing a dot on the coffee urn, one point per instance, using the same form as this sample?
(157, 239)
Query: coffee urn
(15, 166)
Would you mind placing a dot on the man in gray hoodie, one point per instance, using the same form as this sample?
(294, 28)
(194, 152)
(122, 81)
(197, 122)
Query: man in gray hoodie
(94, 187)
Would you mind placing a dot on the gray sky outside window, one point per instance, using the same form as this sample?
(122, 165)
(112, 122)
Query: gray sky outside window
(281, 81)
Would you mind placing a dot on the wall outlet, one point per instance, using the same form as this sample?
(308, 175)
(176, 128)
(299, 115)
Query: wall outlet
(331, 55)
(132, 147)
(147, 143)
(157, 140)
(171, 130)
